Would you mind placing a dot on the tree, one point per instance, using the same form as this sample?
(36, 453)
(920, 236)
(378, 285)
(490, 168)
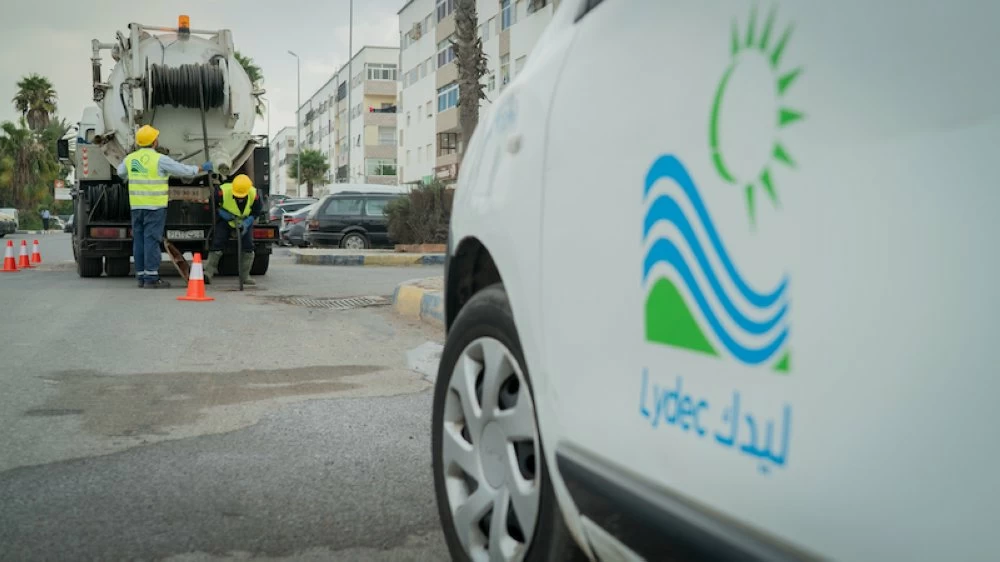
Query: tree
(471, 66)
(314, 169)
(36, 100)
(28, 163)
(256, 76)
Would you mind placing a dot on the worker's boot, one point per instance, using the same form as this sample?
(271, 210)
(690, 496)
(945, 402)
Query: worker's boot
(212, 266)
(246, 262)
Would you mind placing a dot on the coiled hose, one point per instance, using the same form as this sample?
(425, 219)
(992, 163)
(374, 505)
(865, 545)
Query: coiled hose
(108, 202)
(178, 86)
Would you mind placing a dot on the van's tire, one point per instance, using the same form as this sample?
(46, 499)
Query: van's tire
(117, 267)
(487, 317)
(89, 267)
(355, 241)
(260, 264)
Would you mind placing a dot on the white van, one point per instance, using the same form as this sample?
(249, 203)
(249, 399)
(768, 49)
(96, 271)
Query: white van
(720, 285)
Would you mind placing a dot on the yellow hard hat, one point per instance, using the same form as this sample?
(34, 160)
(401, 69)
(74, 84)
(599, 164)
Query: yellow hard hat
(241, 185)
(146, 135)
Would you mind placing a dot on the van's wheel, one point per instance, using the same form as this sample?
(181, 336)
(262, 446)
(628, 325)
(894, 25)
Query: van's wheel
(89, 267)
(117, 267)
(260, 264)
(494, 496)
(354, 241)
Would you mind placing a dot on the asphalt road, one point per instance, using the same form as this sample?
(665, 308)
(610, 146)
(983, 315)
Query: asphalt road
(135, 426)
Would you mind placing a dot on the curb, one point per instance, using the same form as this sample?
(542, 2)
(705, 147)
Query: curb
(413, 301)
(368, 259)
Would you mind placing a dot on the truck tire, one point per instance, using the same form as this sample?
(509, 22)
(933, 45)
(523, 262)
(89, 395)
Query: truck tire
(117, 267)
(260, 264)
(89, 267)
(228, 265)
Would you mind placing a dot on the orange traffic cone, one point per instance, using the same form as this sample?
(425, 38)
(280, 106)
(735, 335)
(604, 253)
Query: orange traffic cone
(36, 255)
(8, 258)
(196, 282)
(24, 262)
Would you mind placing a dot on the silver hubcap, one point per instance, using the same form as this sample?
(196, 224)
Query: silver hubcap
(490, 453)
(354, 243)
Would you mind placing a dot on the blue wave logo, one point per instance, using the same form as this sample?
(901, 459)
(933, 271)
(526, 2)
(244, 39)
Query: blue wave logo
(698, 300)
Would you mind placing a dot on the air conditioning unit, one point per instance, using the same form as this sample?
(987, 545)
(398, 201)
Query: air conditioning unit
(415, 32)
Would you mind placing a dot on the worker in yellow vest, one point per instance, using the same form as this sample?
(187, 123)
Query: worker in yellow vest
(238, 203)
(147, 173)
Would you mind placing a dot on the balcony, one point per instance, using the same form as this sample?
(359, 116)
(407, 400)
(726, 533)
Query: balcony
(381, 118)
(381, 87)
(381, 150)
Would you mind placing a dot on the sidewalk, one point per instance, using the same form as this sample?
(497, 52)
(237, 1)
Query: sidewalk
(421, 299)
(323, 256)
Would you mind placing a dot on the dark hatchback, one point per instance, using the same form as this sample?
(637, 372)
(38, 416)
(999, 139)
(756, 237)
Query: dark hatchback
(350, 219)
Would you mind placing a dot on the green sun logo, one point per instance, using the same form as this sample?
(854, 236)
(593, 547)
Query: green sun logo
(748, 114)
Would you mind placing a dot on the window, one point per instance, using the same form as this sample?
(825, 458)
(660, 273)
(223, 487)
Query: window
(428, 23)
(430, 112)
(376, 207)
(423, 70)
(519, 7)
(401, 137)
(447, 143)
(484, 31)
(445, 8)
(448, 97)
(519, 64)
(491, 84)
(408, 160)
(446, 51)
(407, 118)
(506, 14)
(341, 207)
(535, 5)
(504, 70)
(380, 166)
(387, 135)
(429, 153)
(381, 71)
(430, 65)
(420, 154)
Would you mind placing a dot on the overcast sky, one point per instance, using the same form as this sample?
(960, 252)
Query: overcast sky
(52, 38)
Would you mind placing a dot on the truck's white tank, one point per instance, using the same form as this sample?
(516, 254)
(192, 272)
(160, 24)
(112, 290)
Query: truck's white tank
(229, 127)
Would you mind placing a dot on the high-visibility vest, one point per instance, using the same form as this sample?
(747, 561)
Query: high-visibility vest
(147, 189)
(229, 203)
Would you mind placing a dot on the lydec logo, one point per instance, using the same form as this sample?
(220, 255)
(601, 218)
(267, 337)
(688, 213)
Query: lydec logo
(697, 297)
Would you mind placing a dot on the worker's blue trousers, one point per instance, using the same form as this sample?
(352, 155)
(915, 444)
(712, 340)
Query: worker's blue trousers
(147, 232)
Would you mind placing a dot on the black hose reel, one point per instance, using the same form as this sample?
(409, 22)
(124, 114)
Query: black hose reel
(178, 86)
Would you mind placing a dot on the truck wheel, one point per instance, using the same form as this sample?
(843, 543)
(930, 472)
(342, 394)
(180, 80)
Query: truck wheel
(260, 264)
(89, 267)
(228, 265)
(117, 267)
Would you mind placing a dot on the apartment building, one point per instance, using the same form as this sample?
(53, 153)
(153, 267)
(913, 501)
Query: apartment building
(363, 134)
(283, 152)
(430, 142)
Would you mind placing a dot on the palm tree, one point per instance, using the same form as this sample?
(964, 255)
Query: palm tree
(27, 164)
(256, 76)
(36, 100)
(314, 169)
(471, 66)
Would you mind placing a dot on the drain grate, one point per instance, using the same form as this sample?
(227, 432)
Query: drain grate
(344, 303)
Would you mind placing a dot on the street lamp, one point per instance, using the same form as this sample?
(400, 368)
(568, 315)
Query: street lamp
(298, 120)
(350, 86)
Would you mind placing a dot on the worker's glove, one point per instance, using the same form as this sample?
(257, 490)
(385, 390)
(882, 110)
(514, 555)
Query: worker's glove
(207, 166)
(226, 215)
(247, 223)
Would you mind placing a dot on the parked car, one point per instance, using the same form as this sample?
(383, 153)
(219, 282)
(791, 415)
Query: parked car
(350, 219)
(7, 225)
(275, 213)
(293, 227)
(69, 224)
(12, 216)
(748, 321)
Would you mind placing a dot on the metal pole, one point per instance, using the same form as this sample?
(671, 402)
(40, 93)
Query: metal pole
(350, 84)
(298, 128)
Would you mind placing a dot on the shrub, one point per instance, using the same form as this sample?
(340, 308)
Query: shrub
(422, 217)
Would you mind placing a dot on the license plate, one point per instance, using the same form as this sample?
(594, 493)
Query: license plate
(185, 234)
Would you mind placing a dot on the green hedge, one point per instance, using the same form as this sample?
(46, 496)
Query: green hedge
(422, 217)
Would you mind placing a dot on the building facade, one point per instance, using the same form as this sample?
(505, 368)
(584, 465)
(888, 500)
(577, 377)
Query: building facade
(430, 139)
(356, 128)
(283, 152)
